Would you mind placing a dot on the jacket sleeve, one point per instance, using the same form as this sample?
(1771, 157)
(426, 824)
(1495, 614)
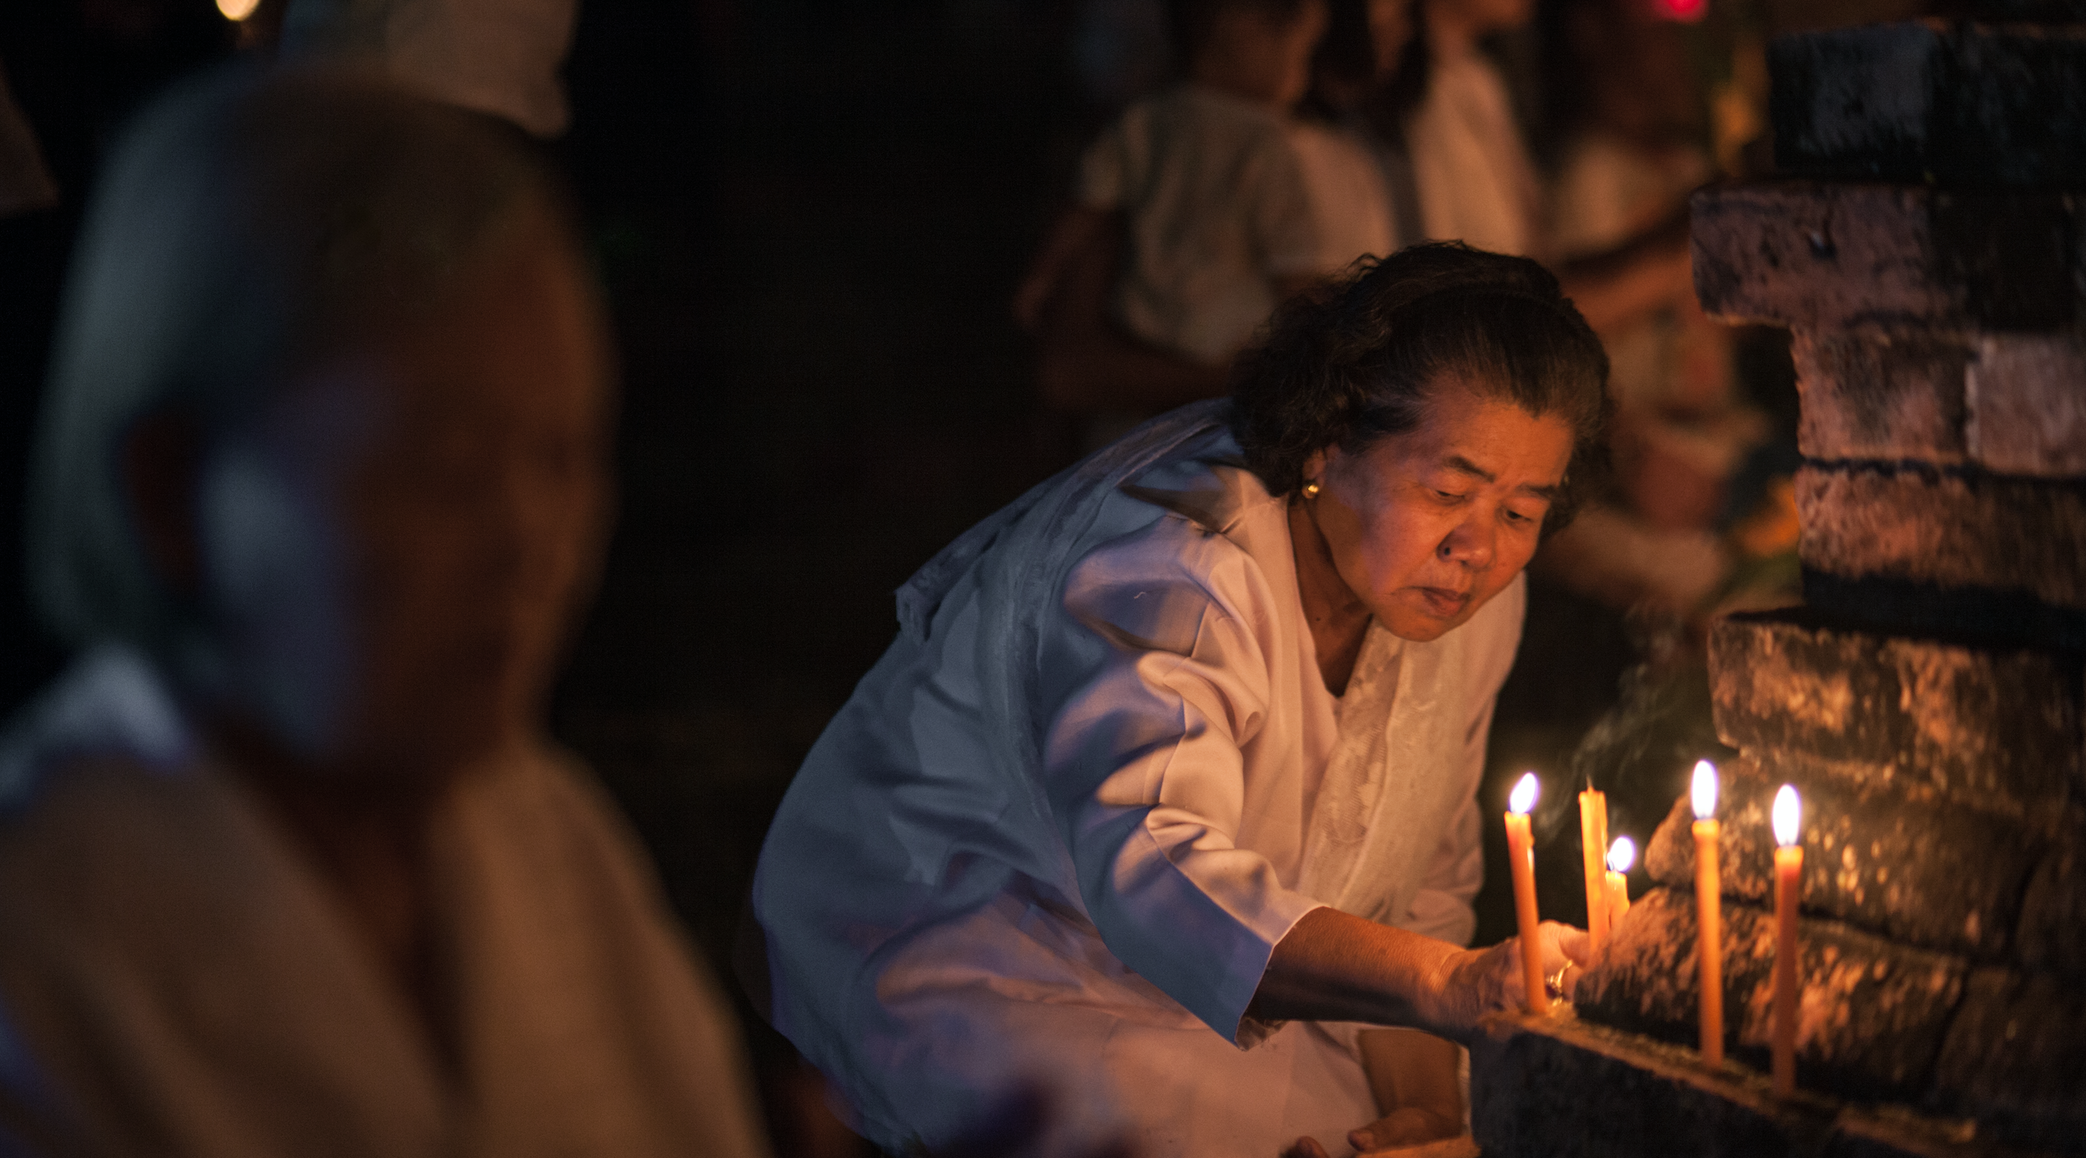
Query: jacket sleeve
(1163, 678)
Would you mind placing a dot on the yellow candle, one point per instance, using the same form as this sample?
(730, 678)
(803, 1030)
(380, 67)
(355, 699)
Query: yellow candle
(1789, 865)
(1709, 913)
(1521, 857)
(1593, 841)
(1621, 855)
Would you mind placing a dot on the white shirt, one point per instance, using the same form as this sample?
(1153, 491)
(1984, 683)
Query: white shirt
(1350, 199)
(1057, 831)
(1217, 211)
(176, 979)
(1476, 182)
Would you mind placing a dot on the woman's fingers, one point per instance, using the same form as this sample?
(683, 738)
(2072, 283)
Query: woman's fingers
(1491, 981)
(1305, 1148)
(1562, 943)
(1565, 951)
(1404, 1126)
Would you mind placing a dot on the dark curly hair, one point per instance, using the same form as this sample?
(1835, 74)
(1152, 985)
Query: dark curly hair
(1355, 361)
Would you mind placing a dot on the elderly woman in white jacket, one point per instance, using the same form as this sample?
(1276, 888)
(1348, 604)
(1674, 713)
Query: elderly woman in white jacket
(1167, 784)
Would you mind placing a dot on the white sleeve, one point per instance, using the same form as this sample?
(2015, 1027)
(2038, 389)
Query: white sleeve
(1143, 766)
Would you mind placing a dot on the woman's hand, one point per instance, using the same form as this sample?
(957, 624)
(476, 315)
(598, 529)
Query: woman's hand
(1477, 982)
(1407, 1126)
(1404, 1126)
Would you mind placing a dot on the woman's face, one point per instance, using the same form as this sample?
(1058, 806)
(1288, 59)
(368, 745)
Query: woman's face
(398, 548)
(1426, 526)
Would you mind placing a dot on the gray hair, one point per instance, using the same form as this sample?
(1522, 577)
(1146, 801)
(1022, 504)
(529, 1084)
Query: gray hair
(248, 218)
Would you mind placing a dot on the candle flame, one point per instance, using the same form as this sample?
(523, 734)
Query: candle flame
(1705, 790)
(1523, 798)
(1788, 814)
(237, 10)
(1622, 854)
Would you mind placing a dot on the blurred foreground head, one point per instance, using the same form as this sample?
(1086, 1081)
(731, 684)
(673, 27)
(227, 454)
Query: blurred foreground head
(326, 433)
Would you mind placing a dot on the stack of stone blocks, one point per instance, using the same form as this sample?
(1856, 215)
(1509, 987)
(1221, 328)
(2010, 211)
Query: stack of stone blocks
(1926, 247)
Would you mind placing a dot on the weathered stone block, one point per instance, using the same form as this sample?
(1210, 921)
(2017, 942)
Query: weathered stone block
(1997, 729)
(1907, 865)
(1561, 1087)
(2026, 402)
(1966, 105)
(1555, 1087)
(1820, 257)
(2015, 1058)
(2052, 935)
(1945, 528)
(2010, 403)
(1873, 1013)
(1879, 396)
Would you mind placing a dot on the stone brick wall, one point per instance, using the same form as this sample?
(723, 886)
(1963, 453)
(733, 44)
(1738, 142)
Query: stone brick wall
(1928, 252)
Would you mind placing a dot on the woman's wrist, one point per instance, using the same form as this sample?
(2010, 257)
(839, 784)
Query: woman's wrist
(1439, 996)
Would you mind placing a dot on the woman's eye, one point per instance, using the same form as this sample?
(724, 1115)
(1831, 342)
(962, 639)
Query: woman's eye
(1447, 496)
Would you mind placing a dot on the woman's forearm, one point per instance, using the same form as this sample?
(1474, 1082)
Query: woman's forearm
(1333, 966)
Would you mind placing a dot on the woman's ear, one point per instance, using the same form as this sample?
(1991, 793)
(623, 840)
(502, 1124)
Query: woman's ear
(1314, 467)
(160, 459)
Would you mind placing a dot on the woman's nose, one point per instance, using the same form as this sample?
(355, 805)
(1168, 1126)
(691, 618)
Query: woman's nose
(1471, 543)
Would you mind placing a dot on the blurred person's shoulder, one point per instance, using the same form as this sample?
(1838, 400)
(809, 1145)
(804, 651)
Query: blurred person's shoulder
(109, 710)
(114, 828)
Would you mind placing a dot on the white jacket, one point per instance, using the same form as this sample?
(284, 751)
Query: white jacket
(1059, 828)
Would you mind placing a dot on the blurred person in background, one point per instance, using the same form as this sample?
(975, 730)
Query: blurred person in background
(1168, 782)
(1211, 254)
(1191, 220)
(1476, 181)
(1613, 224)
(286, 864)
(1631, 121)
(1360, 84)
(1356, 201)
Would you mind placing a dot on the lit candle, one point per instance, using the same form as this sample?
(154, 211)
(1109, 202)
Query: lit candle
(1709, 913)
(1521, 856)
(1593, 840)
(1621, 855)
(1789, 865)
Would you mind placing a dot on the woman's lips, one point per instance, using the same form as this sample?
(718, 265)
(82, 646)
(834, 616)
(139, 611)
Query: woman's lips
(1444, 602)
